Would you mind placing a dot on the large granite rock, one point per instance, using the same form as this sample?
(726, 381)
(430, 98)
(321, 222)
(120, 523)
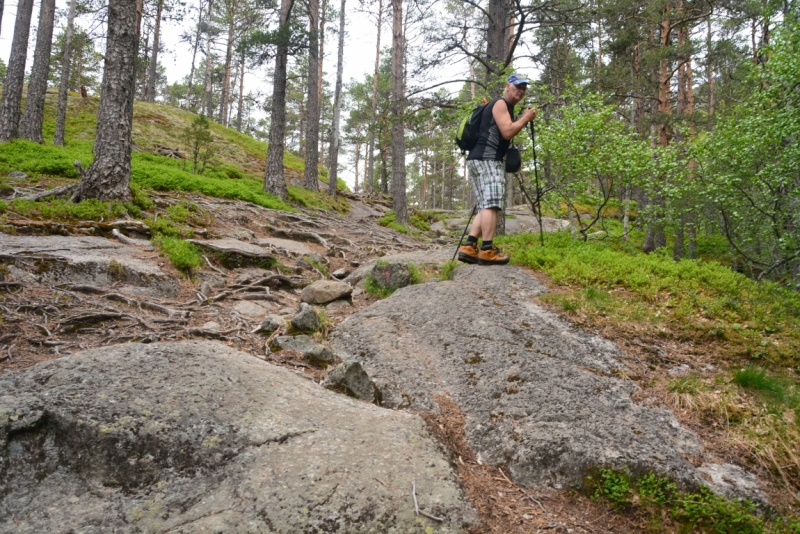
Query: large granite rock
(538, 395)
(52, 259)
(195, 436)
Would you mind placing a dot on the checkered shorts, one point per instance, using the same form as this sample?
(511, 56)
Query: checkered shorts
(488, 182)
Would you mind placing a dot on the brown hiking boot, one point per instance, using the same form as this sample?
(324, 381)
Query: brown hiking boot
(492, 256)
(468, 253)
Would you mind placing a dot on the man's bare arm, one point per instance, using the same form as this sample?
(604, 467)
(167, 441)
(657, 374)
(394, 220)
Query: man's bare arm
(507, 128)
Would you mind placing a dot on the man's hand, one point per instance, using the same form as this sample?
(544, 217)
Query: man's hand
(529, 115)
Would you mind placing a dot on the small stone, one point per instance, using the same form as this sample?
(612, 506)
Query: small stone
(17, 175)
(301, 343)
(324, 291)
(391, 275)
(340, 274)
(205, 289)
(338, 305)
(211, 325)
(304, 265)
(680, 370)
(322, 260)
(286, 311)
(249, 308)
(307, 320)
(270, 324)
(350, 378)
(320, 356)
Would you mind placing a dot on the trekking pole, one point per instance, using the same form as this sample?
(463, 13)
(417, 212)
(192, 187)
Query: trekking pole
(465, 231)
(538, 187)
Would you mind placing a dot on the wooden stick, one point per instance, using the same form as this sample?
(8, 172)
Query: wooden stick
(414, 494)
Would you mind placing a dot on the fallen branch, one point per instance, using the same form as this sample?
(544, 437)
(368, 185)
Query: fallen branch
(58, 191)
(259, 296)
(414, 494)
(144, 304)
(220, 271)
(125, 240)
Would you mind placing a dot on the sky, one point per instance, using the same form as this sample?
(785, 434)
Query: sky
(359, 52)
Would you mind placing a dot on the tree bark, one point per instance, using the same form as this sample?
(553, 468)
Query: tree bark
(15, 75)
(66, 66)
(150, 95)
(108, 178)
(274, 181)
(33, 116)
(312, 122)
(333, 168)
(240, 107)
(398, 119)
(208, 82)
(369, 177)
(496, 45)
(226, 84)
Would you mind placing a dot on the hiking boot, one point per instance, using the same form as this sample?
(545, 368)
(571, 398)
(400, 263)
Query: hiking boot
(492, 256)
(468, 253)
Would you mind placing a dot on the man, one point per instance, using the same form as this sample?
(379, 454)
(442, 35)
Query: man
(487, 170)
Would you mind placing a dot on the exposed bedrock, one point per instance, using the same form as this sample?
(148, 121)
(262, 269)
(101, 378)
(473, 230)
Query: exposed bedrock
(539, 395)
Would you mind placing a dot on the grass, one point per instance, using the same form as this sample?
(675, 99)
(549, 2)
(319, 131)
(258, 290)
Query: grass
(750, 329)
(183, 255)
(689, 300)
(665, 508)
(417, 222)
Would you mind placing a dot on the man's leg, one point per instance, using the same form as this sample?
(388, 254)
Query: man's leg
(488, 223)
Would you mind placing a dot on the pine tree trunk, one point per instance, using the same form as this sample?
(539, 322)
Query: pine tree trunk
(108, 178)
(2, 8)
(209, 96)
(240, 107)
(333, 168)
(33, 116)
(226, 84)
(153, 67)
(311, 181)
(66, 66)
(369, 178)
(194, 56)
(15, 75)
(398, 119)
(145, 65)
(274, 181)
(496, 45)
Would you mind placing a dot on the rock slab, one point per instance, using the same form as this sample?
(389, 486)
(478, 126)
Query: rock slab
(195, 436)
(539, 395)
(50, 259)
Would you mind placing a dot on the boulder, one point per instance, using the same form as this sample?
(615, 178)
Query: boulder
(538, 395)
(307, 320)
(325, 291)
(350, 378)
(196, 436)
(319, 355)
(270, 323)
(393, 275)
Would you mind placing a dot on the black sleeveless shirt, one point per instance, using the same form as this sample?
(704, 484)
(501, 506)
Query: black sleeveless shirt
(491, 145)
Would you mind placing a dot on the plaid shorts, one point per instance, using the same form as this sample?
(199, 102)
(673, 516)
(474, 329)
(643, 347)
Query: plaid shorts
(488, 182)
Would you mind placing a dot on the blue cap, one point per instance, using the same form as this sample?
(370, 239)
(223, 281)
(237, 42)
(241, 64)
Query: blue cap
(517, 79)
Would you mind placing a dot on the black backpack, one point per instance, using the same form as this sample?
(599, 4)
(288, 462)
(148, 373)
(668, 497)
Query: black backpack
(470, 129)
